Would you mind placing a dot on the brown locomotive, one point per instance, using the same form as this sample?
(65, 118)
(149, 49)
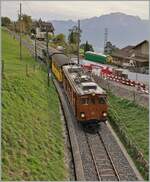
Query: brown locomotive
(88, 100)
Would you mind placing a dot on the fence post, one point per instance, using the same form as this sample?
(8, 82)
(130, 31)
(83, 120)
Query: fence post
(34, 67)
(134, 96)
(26, 69)
(2, 68)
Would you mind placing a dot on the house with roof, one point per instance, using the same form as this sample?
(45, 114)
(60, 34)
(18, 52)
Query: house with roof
(136, 58)
(140, 55)
(42, 26)
(121, 57)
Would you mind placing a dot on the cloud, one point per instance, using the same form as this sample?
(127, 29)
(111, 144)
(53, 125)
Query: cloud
(63, 10)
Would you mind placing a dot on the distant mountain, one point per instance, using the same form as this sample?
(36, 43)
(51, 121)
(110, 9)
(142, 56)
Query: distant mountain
(123, 29)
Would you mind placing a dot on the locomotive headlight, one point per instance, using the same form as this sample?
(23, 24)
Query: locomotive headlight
(82, 115)
(104, 114)
(93, 94)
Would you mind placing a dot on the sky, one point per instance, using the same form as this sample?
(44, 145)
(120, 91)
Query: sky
(65, 10)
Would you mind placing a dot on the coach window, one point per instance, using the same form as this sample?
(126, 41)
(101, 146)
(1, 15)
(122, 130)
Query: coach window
(102, 100)
(84, 100)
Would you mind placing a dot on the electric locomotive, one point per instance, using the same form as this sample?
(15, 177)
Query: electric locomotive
(87, 99)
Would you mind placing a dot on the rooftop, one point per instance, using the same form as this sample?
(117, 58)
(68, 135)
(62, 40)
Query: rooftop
(81, 82)
(139, 44)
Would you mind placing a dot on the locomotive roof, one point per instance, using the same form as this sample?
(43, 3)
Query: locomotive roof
(75, 74)
(60, 59)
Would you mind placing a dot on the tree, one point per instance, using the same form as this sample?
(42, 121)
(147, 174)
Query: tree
(5, 21)
(27, 21)
(60, 38)
(87, 47)
(73, 40)
(25, 24)
(73, 35)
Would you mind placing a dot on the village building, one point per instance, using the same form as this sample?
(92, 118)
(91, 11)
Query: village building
(121, 57)
(136, 58)
(140, 55)
(42, 26)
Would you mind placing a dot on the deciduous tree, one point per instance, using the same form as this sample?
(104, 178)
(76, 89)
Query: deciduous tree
(5, 21)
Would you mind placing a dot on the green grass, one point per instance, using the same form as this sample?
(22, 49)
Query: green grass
(136, 120)
(133, 122)
(32, 142)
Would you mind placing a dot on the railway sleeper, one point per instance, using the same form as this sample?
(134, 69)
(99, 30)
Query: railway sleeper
(107, 170)
(109, 178)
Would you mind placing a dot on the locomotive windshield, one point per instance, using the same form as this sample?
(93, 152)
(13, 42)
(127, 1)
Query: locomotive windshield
(84, 101)
(88, 100)
(93, 100)
(102, 100)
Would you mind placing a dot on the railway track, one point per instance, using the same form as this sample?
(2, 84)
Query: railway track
(102, 159)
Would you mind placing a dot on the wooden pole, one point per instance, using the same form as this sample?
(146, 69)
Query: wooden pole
(26, 69)
(48, 60)
(35, 45)
(78, 41)
(2, 68)
(20, 32)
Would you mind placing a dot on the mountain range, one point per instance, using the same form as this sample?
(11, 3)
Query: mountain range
(122, 29)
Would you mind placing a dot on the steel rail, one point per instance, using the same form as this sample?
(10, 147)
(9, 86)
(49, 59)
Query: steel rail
(110, 158)
(94, 160)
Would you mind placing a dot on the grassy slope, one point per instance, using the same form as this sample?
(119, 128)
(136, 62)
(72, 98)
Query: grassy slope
(135, 119)
(32, 143)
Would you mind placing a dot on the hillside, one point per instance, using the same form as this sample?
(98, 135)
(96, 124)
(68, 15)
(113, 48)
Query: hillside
(32, 139)
(132, 28)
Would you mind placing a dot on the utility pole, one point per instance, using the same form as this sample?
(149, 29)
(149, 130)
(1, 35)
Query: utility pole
(20, 24)
(78, 41)
(48, 61)
(35, 48)
(105, 39)
(47, 41)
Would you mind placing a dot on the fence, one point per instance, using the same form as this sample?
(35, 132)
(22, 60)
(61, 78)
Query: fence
(123, 91)
(26, 41)
(131, 146)
(24, 69)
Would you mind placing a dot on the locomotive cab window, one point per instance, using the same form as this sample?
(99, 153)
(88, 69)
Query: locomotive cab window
(84, 100)
(102, 100)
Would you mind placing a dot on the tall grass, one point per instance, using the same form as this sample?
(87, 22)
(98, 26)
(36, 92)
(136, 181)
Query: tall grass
(32, 142)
